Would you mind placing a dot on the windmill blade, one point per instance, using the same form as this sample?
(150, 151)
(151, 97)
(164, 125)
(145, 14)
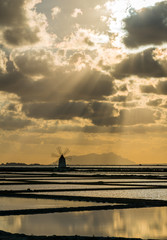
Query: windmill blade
(59, 150)
(66, 151)
(54, 155)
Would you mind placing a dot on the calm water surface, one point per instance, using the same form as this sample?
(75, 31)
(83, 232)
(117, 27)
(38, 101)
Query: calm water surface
(28, 203)
(158, 194)
(56, 186)
(147, 223)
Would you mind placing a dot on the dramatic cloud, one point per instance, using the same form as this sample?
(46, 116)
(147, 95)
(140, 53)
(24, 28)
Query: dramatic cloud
(83, 85)
(20, 23)
(148, 89)
(141, 64)
(62, 111)
(119, 98)
(12, 13)
(21, 36)
(100, 113)
(10, 123)
(155, 102)
(147, 26)
(35, 62)
(160, 88)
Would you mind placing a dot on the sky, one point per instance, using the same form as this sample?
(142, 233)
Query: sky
(90, 75)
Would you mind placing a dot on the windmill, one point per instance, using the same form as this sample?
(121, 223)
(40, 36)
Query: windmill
(62, 156)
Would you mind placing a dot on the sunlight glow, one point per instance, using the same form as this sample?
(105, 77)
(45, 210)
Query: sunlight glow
(119, 10)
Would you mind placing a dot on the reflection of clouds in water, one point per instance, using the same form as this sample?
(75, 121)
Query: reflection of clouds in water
(11, 223)
(160, 223)
(143, 223)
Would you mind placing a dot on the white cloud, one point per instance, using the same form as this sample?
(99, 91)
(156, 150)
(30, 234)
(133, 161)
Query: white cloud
(97, 7)
(3, 61)
(55, 12)
(83, 39)
(103, 18)
(76, 12)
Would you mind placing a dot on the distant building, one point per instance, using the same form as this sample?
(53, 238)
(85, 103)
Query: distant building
(62, 162)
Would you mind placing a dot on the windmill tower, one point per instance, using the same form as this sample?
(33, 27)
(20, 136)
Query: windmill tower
(62, 158)
(62, 162)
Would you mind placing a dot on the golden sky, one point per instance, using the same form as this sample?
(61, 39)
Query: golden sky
(87, 75)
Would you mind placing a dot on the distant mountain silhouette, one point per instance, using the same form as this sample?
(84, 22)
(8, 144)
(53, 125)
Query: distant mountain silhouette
(100, 159)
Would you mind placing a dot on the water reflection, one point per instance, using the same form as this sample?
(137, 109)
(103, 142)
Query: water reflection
(141, 223)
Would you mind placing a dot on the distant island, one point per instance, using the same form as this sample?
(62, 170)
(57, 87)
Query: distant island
(100, 159)
(94, 159)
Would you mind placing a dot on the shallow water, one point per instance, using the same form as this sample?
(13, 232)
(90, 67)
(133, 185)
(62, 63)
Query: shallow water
(147, 223)
(11, 203)
(56, 186)
(158, 194)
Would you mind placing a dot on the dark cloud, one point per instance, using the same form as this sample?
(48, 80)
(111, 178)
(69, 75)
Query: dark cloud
(12, 13)
(91, 85)
(123, 88)
(140, 64)
(12, 107)
(15, 82)
(63, 94)
(154, 103)
(63, 111)
(84, 85)
(21, 36)
(164, 105)
(15, 23)
(35, 62)
(102, 129)
(100, 113)
(105, 115)
(148, 26)
(119, 98)
(160, 88)
(12, 123)
(148, 89)
(89, 42)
